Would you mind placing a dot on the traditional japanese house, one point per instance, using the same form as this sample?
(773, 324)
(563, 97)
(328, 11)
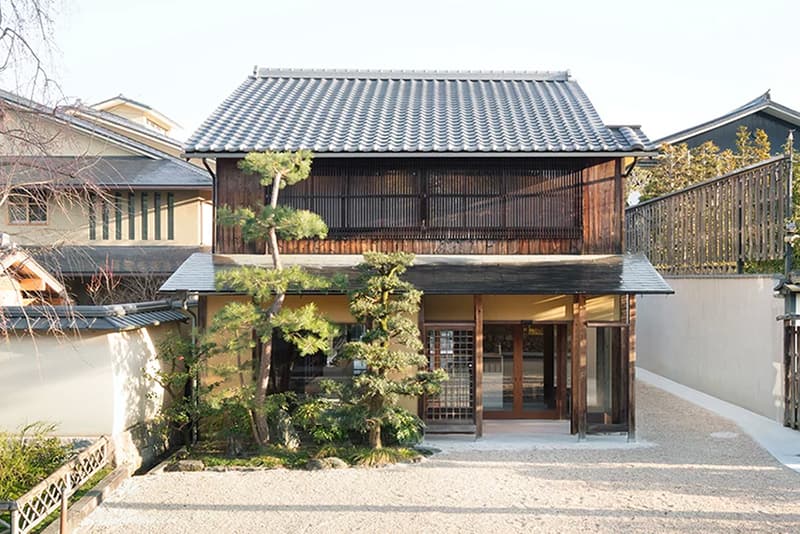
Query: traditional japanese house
(509, 189)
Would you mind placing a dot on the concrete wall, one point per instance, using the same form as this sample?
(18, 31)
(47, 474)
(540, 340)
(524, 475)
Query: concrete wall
(88, 384)
(719, 336)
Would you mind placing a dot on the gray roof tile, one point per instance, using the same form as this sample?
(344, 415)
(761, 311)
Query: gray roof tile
(113, 172)
(416, 112)
(110, 317)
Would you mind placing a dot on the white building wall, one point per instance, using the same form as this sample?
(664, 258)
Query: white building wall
(89, 384)
(717, 335)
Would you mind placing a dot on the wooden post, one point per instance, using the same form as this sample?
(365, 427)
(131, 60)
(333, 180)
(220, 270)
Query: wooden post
(631, 367)
(561, 350)
(548, 364)
(579, 408)
(478, 303)
(63, 528)
(422, 400)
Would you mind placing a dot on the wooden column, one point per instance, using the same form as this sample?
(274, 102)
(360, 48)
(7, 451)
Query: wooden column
(631, 367)
(579, 407)
(548, 364)
(422, 399)
(478, 302)
(561, 351)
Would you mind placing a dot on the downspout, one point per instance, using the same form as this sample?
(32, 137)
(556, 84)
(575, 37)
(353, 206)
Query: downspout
(184, 305)
(213, 206)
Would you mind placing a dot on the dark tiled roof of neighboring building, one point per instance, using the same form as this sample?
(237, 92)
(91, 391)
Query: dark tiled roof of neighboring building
(762, 103)
(111, 317)
(63, 116)
(107, 171)
(547, 275)
(348, 112)
(124, 260)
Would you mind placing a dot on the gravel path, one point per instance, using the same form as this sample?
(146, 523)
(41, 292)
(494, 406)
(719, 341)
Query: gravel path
(702, 474)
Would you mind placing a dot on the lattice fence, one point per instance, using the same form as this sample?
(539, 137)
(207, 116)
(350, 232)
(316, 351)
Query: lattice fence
(716, 226)
(33, 507)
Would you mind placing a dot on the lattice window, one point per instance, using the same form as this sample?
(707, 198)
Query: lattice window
(452, 349)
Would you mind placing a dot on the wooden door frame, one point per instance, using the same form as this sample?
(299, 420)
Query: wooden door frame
(517, 411)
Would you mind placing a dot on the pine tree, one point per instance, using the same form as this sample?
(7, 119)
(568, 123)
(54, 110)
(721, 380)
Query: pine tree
(388, 306)
(267, 287)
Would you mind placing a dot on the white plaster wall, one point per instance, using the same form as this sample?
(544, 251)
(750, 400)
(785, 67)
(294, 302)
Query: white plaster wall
(88, 384)
(719, 336)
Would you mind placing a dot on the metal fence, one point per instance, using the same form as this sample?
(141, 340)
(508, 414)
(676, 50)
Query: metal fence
(32, 508)
(716, 226)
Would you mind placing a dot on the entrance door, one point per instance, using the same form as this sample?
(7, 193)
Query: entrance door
(520, 371)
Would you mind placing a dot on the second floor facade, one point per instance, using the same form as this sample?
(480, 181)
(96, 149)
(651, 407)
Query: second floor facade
(463, 205)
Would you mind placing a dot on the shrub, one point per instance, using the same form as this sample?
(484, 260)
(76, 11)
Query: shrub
(28, 457)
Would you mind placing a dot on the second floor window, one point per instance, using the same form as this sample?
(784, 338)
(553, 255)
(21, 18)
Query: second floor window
(447, 199)
(27, 207)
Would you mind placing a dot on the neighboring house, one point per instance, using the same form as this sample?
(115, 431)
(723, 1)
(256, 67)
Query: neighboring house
(507, 186)
(762, 113)
(139, 210)
(23, 281)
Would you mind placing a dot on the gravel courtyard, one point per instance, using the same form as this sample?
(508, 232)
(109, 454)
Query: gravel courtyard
(701, 474)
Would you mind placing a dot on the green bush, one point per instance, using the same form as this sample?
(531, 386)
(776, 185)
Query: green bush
(28, 457)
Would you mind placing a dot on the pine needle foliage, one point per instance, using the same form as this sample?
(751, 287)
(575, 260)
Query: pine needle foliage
(390, 348)
(242, 326)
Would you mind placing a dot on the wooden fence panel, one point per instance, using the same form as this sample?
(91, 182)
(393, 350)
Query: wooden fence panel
(715, 226)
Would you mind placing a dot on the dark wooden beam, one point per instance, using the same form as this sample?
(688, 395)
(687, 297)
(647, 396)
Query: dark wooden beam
(579, 421)
(478, 305)
(631, 367)
(561, 351)
(548, 364)
(517, 368)
(579, 409)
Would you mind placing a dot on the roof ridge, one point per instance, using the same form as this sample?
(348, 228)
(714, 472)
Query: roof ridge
(389, 74)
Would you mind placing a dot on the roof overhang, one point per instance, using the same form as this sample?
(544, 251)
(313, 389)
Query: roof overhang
(616, 274)
(636, 154)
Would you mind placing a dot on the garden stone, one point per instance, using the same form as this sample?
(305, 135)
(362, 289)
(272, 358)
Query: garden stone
(315, 464)
(284, 432)
(186, 465)
(336, 463)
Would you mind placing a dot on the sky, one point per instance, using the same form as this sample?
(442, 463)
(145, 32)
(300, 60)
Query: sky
(666, 65)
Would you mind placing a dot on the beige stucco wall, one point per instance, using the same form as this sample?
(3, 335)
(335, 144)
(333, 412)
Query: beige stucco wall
(719, 336)
(42, 135)
(518, 308)
(70, 224)
(88, 384)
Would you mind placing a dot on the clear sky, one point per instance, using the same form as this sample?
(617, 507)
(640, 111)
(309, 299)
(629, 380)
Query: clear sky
(665, 65)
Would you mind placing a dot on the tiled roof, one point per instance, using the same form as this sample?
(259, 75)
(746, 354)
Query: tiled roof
(762, 103)
(64, 115)
(127, 260)
(410, 112)
(111, 317)
(464, 275)
(108, 171)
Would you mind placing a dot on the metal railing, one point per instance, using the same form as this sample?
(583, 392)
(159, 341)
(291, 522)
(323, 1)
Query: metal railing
(36, 505)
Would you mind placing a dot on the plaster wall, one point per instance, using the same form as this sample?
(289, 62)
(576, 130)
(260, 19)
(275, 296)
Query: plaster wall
(89, 384)
(717, 335)
(70, 224)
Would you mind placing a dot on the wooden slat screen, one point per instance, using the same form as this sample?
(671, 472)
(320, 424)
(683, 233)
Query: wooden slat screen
(791, 367)
(716, 226)
(416, 200)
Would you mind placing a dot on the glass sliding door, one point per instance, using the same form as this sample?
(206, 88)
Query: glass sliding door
(520, 371)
